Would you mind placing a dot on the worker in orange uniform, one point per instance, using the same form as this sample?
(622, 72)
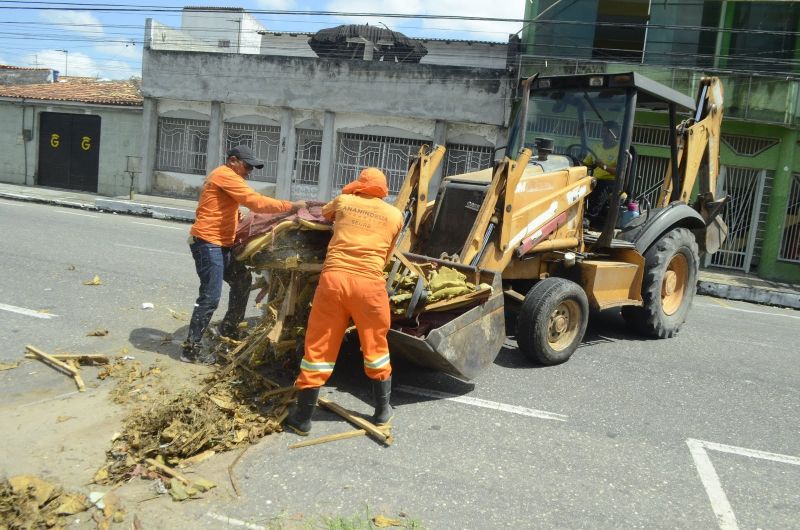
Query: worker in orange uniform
(211, 239)
(351, 286)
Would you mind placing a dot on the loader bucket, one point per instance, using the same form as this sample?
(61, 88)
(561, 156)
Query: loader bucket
(461, 342)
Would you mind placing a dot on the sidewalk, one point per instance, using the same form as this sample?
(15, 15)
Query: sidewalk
(730, 285)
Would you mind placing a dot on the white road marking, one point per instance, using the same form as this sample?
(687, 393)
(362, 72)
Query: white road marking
(153, 250)
(159, 226)
(726, 519)
(26, 312)
(76, 213)
(477, 402)
(234, 522)
(768, 313)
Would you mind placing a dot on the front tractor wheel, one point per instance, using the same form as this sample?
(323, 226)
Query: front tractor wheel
(552, 320)
(669, 284)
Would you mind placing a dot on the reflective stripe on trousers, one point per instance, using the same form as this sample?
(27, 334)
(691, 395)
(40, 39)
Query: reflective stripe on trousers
(341, 296)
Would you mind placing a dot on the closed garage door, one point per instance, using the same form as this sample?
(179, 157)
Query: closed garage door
(69, 150)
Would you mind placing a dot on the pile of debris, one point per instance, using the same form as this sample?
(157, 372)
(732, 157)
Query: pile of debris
(27, 501)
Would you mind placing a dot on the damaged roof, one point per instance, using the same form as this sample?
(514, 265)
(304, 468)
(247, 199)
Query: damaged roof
(122, 93)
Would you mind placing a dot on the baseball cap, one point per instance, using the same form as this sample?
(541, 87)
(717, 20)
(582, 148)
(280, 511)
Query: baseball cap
(242, 152)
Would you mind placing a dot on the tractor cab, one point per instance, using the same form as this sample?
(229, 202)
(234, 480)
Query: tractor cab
(587, 120)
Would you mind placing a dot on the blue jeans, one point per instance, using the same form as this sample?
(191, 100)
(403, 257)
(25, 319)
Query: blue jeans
(215, 264)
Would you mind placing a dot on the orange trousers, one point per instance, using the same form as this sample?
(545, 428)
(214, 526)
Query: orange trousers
(341, 296)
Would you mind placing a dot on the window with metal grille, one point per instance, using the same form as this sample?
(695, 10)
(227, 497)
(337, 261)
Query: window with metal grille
(790, 241)
(650, 171)
(391, 155)
(307, 156)
(744, 187)
(748, 145)
(263, 140)
(461, 158)
(182, 145)
(649, 135)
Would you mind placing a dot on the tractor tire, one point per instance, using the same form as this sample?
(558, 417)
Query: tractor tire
(552, 321)
(670, 281)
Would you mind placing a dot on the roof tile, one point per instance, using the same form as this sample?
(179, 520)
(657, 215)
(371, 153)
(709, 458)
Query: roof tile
(103, 92)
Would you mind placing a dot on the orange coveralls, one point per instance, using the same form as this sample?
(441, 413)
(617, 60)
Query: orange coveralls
(351, 284)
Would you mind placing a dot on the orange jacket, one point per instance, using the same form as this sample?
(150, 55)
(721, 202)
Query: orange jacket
(364, 226)
(217, 213)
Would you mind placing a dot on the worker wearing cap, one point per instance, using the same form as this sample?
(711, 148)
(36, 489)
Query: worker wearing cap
(351, 286)
(211, 239)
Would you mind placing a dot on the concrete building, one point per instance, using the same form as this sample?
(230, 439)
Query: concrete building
(18, 75)
(316, 122)
(71, 135)
(754, 48)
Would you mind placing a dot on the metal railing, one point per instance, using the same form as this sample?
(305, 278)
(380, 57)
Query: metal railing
(390, 155)
(264, 140)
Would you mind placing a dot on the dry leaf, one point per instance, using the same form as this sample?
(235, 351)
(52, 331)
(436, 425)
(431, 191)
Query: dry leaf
(97, 333)
(93, 281)
(62, 419)
(384, 522)
(39, 489)
(72, 504)
(182, 315)
(71, 268)
(8, 366)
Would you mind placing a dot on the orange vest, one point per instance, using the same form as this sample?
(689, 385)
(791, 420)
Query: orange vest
(364, 230)
(217, 214)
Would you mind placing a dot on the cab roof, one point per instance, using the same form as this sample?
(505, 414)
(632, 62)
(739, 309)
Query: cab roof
(651, 94)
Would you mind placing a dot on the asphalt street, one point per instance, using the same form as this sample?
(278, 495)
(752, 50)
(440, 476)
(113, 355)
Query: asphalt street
(698, 431)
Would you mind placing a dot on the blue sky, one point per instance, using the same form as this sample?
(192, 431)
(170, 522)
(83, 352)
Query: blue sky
(85, 41)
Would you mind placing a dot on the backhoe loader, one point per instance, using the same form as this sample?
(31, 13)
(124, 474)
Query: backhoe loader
(549, 237)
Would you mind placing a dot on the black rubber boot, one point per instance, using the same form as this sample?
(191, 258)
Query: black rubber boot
(381, 392)
(299, 420)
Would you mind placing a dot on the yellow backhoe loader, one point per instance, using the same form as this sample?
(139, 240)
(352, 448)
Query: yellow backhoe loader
(548, 226)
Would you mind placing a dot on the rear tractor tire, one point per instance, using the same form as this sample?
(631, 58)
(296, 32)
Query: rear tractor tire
(670, 281)
(552, 321)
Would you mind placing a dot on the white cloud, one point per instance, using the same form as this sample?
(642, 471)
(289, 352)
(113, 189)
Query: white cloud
(82, 22)
(122, 50)
(282, 5)
(80, 64)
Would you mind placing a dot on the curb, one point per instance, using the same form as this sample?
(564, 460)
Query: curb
(146, 210)
(749, 294)
(41, 200)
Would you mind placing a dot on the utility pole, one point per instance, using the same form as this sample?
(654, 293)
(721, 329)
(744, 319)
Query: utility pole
(66, 61)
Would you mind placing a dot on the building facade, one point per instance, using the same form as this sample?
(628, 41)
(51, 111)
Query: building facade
(314, 121)
(71, 135)
(754, 47)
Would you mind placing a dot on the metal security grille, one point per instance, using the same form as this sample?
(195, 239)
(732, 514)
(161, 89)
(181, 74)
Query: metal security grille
(790, 242)
(649, 135)
(357, 151)
(182, 145)
(263, 140)
(745, 187)
(650, 171)
(307, 156)
(556, 126)
(461, 158)
(748, 145)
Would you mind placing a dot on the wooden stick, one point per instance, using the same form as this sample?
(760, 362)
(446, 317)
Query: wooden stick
(168, 470)
(44, 357)
(98, 358)
(358, 421)
(230, 471)
(329, 438)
